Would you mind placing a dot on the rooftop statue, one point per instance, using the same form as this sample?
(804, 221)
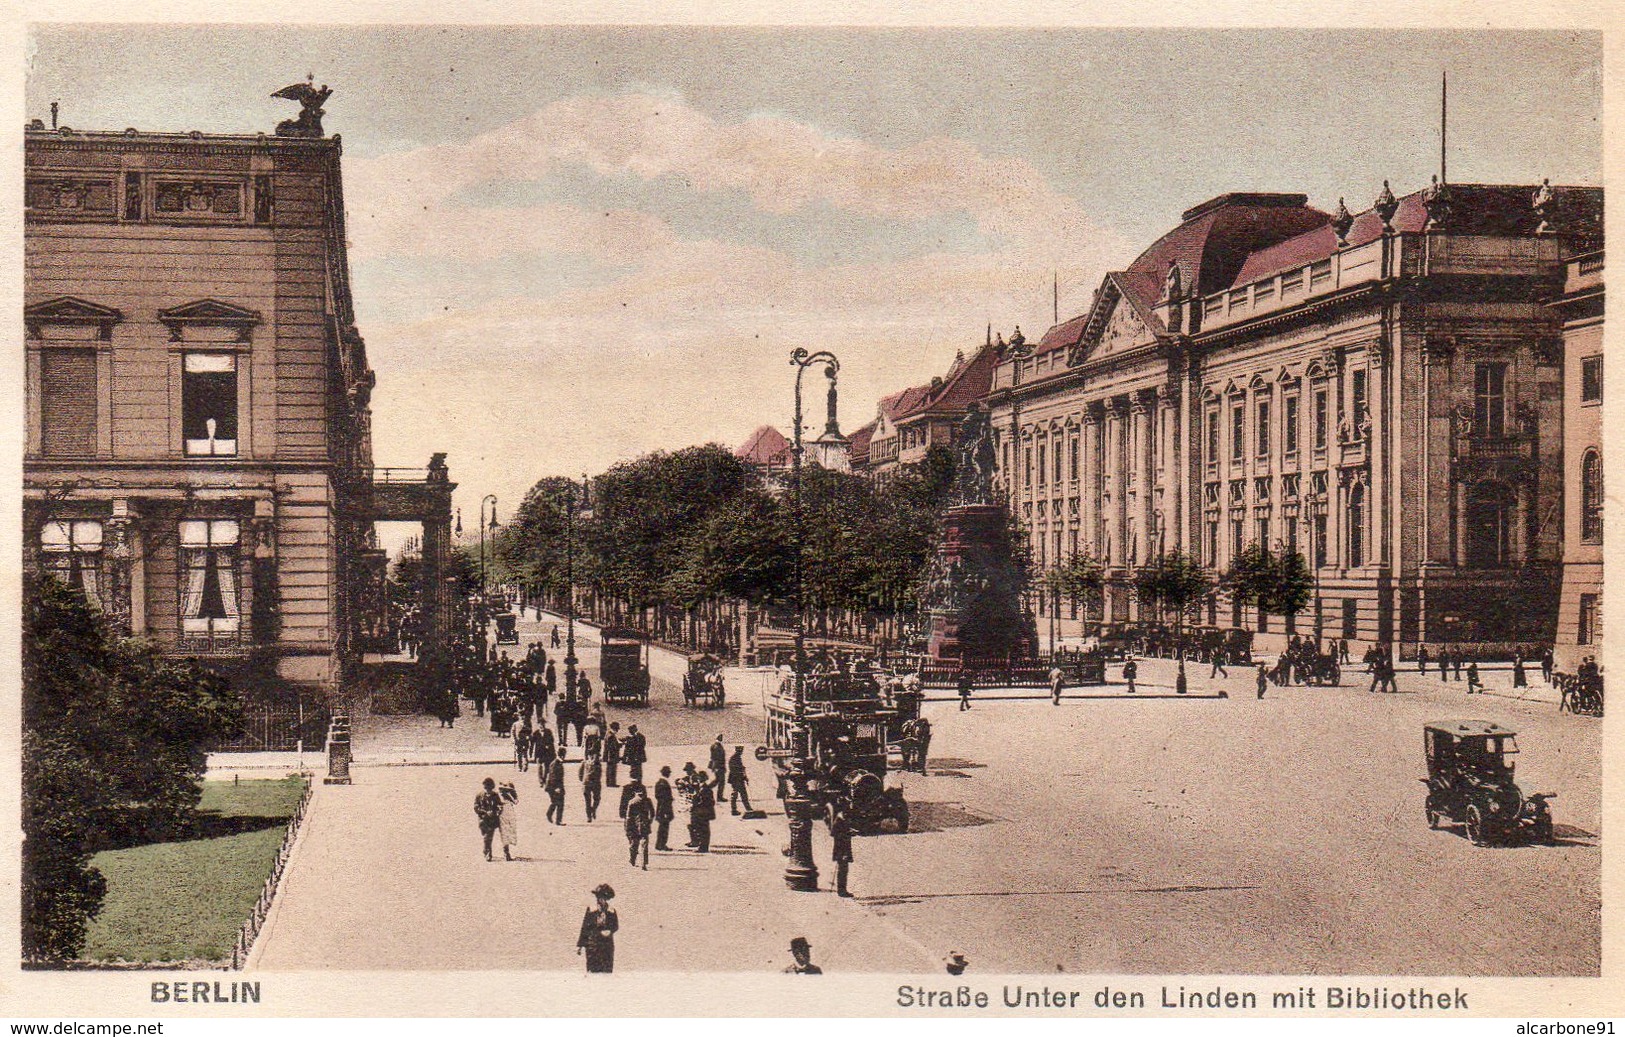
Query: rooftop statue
(309, 123)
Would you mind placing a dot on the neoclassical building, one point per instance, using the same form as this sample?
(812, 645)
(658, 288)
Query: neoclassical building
(1381, 392)
(198, 450)
(1579, 617)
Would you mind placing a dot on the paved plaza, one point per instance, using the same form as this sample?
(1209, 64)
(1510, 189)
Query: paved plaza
(1106, 834)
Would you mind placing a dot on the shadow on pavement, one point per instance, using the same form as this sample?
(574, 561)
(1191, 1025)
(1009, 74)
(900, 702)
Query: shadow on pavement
(925, 818)
(898, 899)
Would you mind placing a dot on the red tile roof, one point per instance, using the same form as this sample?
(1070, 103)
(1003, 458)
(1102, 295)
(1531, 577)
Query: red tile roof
(1321, 243)
(859, 442)
(766, 446)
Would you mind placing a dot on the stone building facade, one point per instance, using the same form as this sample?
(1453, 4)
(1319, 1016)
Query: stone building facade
(198, 452)
(1579, 617)
(908, 423)
(1381, 393)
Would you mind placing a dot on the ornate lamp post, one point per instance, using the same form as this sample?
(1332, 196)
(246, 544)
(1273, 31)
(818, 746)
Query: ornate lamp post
(570, 660)
(801, 873)
(483, 613)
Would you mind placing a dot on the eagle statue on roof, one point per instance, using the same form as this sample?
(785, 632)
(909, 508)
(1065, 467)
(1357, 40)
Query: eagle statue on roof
(309, 123)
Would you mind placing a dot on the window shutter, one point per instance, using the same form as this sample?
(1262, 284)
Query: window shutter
(68, 402)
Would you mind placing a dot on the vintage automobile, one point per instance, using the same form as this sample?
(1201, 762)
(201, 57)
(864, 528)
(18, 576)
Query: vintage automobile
(623, 667)
(702, 682)
(850, 732)
(507, 628)
(1470, 781)
(1320, 669)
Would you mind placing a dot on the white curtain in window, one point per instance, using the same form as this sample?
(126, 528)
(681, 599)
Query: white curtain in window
(225, 567)
(192, 595)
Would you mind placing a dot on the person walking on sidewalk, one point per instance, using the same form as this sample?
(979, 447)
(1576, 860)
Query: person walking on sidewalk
(1473, 684)
(612, 754)
(738, 782)
(598, 929)
(508, 820)
(639, 819)
(1422, 659)
(488, 809)
(1460, 657)
(840, 834)
(553, 785)
(719, 767)
(1519, 678)
(964, 690)
(630, 792)
(1547, 661)
(701, 812)
(1131, 670)
(591, 773)
(635, 752)
(663, 809)
(1218, 665)
(1263, 679)
(1056, 680)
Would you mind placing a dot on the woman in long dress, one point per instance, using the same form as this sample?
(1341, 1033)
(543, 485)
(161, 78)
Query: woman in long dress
(508, 821)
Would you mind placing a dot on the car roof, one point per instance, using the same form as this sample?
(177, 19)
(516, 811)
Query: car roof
(1470, 728)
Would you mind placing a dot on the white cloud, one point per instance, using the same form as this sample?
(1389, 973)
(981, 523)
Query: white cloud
(690, 342)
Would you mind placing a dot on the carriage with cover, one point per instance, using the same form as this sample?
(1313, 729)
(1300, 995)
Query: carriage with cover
(623, 667)
(703, 682)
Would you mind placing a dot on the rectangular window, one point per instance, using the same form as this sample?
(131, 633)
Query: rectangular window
(1212, 437)
(1587, 633)
(1262, 430)
(1213, 305)
(208, 585)
(1591, 379)
(1041, 466)
(72, 550)
(1072, 457)
(1057, 462)
(1322, 417)
(1238, 300)
(1357, 398)
(1263, 291)
(68, 402)
(1320, 273)
(1291, 282)
(1289, 430)
(1236, 542)
(1027, 466)
(1210, 544)
(1238, 420)
(209, 404)
(1489, 399)
(1351, 617)
(1263, 527)
(1291, 536)
(1320, 541)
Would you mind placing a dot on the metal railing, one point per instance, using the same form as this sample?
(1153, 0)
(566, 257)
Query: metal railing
(1494, 447)
(250, 929)
(400, 475)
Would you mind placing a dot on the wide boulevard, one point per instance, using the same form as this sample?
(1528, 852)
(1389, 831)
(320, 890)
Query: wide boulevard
(1146, 834)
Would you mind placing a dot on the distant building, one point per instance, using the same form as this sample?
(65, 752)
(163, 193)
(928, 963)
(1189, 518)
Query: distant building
(1381, 393)
(766, 450)
(1579, 617)
(909, 423)
(199, 452)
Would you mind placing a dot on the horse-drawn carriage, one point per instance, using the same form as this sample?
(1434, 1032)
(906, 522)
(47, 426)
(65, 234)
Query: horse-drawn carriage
(623, 667)
(703, 682)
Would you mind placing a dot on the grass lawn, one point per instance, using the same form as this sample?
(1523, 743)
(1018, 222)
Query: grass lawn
(185, 900)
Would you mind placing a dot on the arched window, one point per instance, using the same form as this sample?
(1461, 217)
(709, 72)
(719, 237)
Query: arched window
(1355, 556)
(1591, 497)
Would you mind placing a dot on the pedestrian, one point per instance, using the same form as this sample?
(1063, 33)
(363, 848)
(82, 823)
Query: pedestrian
(1218, 665)
(449, 709)
(612, 754)
(1444, 664)
(591, 774)
(488, 809)
(635, 752)
(840, 834)
(598, 929)
(1056, 679)
(543, 746)
(663, 809)
(508, 820)
(630, 792)
(1422, 659)
(1461, 656)
(561, 719)
(719, 767)
(702, 809)
(801, 952)
(519, 731)
(1343, 650)
(922, 743)
(1519, 678)
(555, 639)
(639, 816)
(553, 785)
(583, 688)
(908, 742)
(1262, 679)
(1472, 679)
(737, 781)
(1546, 663)
(1131, 670)
(552, 679)
(964, 690)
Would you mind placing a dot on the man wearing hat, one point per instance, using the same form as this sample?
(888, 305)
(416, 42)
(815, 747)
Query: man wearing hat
(801, 951)
(598, 928)
(635, 752)
(488, 809)
(738, 783)
(663, 809)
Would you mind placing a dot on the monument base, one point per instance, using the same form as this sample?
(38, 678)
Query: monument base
(985, 620)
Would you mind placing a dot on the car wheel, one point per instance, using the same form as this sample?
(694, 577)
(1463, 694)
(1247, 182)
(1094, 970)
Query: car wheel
(1474, 820)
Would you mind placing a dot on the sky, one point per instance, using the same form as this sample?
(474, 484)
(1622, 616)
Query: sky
(574, 245)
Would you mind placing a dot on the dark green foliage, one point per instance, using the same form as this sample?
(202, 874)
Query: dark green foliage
(115, 741)
(1174, 582)
(1277, 582)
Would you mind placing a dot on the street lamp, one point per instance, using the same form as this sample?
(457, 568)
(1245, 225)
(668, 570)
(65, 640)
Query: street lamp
(493, 499)
(570, 660)
(801, 873)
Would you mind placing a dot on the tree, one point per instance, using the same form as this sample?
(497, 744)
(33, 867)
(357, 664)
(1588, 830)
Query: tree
(1278, 582)
(115, 740)
(1173, 582)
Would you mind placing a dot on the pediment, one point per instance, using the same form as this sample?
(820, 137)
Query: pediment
(209, 312)
(68, 309)
(1115, 326)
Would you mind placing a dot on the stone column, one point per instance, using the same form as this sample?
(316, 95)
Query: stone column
(119, 552)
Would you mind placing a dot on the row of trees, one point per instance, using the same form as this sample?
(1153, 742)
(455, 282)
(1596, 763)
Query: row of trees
(694, 529)
(1277, 582)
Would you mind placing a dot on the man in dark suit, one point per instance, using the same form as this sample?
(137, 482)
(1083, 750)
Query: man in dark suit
(719, 767)
(635, 752)
(663, 809)
(840, 834)
(612, 754)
